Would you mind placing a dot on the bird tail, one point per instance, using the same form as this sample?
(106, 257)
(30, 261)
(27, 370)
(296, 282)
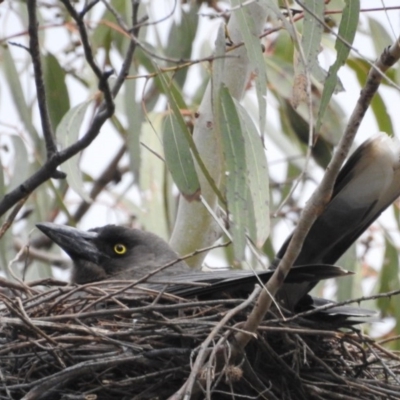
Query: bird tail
(367, 184)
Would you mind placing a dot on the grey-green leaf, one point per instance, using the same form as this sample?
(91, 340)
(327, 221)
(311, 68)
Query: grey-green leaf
(68, 133)
(229, 127)
(21, 170)
(17, 94)
(254, 52)
(312, 35)
(179, 159)
(56, 89)
(347, 30)
(134, 116)
(258, 178)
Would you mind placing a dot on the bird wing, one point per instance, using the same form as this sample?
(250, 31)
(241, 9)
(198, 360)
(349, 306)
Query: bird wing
(368, 183)
(191, 283)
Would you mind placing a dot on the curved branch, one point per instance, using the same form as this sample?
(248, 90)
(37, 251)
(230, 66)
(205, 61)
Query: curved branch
(34, 51)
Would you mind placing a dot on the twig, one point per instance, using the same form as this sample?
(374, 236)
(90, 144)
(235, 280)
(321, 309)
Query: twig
(185, 391)
(34, 51)
(10, 219)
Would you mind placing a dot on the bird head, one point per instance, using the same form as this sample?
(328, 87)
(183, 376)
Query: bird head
(112, 252)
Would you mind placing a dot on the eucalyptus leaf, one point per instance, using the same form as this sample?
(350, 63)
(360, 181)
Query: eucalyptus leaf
(389, 280)
(177, 103)
(179, 159)
(258, 177)
(233, 147)
(311, 38)
(152, 175)
(218, 70)
(181, 37)
(68, 133)
(134, 115)
(21, 165)
(379, 36)
(347, 30)
(14, 83)
(254, 52)
(378, 106)
(56, 89)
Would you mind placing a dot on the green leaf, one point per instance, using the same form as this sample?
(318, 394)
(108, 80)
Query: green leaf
(68, 133)
(233, 146)
(177, 103)
(14, 83)
(379, 36)
(258, 177)
(389, 280)
(276, 11)
(179, 159)
(254, 52)
(134, 115)
(347, 30)
(180, 39)
(378, 106)
(311, 38)
(108, 33)
(152, 174)
(21, 170)
(349, 288)
(218, 71)
(56, 89)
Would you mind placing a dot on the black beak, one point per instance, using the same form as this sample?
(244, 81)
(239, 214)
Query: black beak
(76, 243)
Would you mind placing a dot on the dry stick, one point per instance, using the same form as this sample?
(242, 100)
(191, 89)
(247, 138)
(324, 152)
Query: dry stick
(382, 362)
(387, 352)
(25, 319)
(333, 396)
(38, 324)
(139, 309)
(322, 194)
(75, 339)
(11, 217)
(35, 254)
(186, 390)
(60, 378)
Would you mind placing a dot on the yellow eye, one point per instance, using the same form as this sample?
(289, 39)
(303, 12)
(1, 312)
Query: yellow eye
(120, 249)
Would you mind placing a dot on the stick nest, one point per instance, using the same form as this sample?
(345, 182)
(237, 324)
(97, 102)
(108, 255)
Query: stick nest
(110, 341)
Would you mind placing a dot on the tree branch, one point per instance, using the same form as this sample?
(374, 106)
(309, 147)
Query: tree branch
(34, 51)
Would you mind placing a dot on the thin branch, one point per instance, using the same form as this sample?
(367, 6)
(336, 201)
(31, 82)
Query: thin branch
(4, 227)
(101, 76)
(34, 51)
(129, 55)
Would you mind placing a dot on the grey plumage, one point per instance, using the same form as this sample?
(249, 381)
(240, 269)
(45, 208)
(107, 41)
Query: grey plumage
(95, 256)
(368, 183)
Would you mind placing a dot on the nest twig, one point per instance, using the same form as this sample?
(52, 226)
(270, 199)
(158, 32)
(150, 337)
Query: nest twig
(110, 340)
